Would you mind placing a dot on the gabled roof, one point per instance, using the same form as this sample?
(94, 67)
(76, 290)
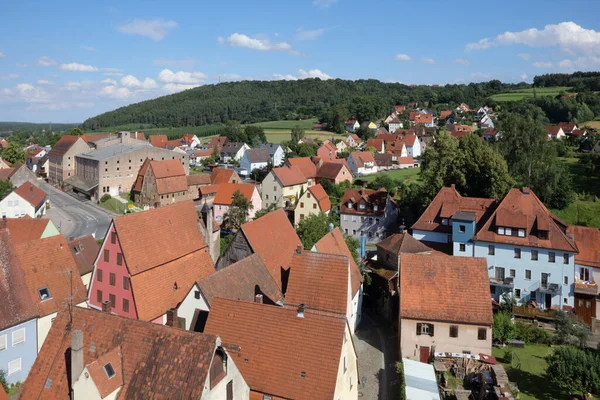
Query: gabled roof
(308, 168)
(356, 138)
(578, 132)
(409, 140)
(383, 160)
(48, 263)
(225, 192)
(304, 352)
(84, 250)
(25, 229)
(31, 194)
(406, 160)
(221, 175)
(289, 176)
(412, 115)
(198, 179)
(489, 132)
(377, 143)
(258, 155)
(436, 287)
(403, 243)
(387, 137)
(330, 170)
(94, 137)
(157, 361)
(321, 197)
(553, 130)
(232, 147)
(370, 198)
(334, 243)
(424, 119)
(269, 232)
(139, 180)
(522, 207)
(16, 305)
(362, 157)
(567, 126)
(445, 114)
(104, 384)
(241, 281)
(170, 176)
(588, 244)
(271, 147)
(158, 140)
(218, 141)
(63, 145)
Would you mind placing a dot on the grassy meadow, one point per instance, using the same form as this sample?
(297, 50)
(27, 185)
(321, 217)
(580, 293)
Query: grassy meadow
(519, 94)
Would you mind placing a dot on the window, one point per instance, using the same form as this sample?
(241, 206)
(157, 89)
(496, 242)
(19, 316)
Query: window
(315, 206)
(229, 395)
(18, 336)
(454, 331)
(14, 366)
(119, 259)
(99, 296)
(462, 228)
(126, 283)
(267, 397)
(99, 275)
(444, 221)
(534, 255)
(301, 217)
(274, 188)
(543, 235)
(492, 289)
(566, 280)
(565, 258)
(508, 231)
(532, 296)
(218, 368)
(462, 247)
(518, 293)
(424, 329)
(109, 370)
(512, 273)
(113, 300)
(2, 342)
(113, 237)
(491, 249)
(345, 366)
(481, 334)
(500, 273)
(350, 381)
(308, 195)
(112, 279)
(551, 256)
(106, 256)
(267, 196)
(521, 232)
(517, 253)
(44, 294)
(361, 206)
(125, 305)
(528, 274)
(584, 274)
(500, 230)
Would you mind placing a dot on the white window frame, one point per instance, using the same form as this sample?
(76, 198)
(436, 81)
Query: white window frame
(13, 337)
(500, 230)
(15, 371)
(5, 339)
(508, 231)
(521, 232)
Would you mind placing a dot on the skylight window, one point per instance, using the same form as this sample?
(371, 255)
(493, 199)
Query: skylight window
(44, 294)
(109, 370)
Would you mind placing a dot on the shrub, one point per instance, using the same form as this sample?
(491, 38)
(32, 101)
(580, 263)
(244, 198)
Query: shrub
(106, 197)
(504, 329)
(529, 333)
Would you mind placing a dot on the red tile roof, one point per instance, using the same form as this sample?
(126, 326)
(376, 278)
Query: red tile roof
(413, 115)
(403, 243)
(376, 143)
(198, 179)
(225, 192)
(223, 175)
(139, 180)
(84, 250)
(578, 132)
(218, 141)
(273, 231)
(330, 170)
(308, 168)
(409, 140)
(208, 189)
(489, 132)
(283, 355)
(362, 157)
(170, 176)
(399, 108)
(356, 138)
(157, 361)
(289, 176)
(567, 126)
(48, 263)
(445, 114)
(158, 140)
(334, 243)
(321, 197)
(370, 198)
(94, 137)
(387, 137)
(104, 384)
(63, 145)
(437, 287)
(424, 119)
(588, 244)
(25, 229)
(31, 194)
(553, 130)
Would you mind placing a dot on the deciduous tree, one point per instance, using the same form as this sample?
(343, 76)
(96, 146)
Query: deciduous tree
(238, 211)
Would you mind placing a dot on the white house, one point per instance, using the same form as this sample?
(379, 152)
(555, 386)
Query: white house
(276, 152)
(362, 163)
(353, 141)
(394, 125)
(233, 151)
(254, 159)
(352, 125)
(27, 199)
(413, 146)
(486, 121)
(555, 132)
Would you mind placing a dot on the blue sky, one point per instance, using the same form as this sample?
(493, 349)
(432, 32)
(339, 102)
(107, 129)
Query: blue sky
(65, 61)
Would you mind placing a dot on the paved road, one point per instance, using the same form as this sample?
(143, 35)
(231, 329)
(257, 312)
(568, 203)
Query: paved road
(74, 216)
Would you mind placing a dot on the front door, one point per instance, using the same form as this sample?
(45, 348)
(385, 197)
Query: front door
(585, 307)
(424, 355)
(548, 301)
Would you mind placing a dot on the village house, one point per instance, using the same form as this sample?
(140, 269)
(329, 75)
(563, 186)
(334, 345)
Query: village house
(490, 134)
(233, 151)
(486, 122)
(384, 161)
(281, 334)
(224, 198)
(368, 213)
(217, 142)
(568, 127)
(334, 172)
(18, 174)
(255, 159)
(246, 280)
(61, 159)
(327, 151)
(33, 156)
(160, 183)
(362, 163)
(555, 132)
(341, 146)
(377, 144)
(413, 146)
(85, 250)
(527, 249)
(444, 306)
(283, 186)
(141, 274)
(394, 124)
(354, 141)
(276, 152)
(27, 229)
(578, 132)
(396, 148)
(458, 129)
(444, 114)
(95, 355)
(352, 125)
(26, 200)
(312, 202)
(424, 119)
(307, 167)
(261, 236)
(194, 183)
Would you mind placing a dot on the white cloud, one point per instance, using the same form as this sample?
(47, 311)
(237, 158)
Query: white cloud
(45, 82)
(45, 61)
(301, 34)
(428, 60)
(402, 57)
(313, 73)
(76, 67)
(324, 3)
(177, 87)
(89, 48)
(523, 77)
(131, 81)
(115, 92)
(2, 55)
(524, 56)
(155, 29)
(462, 61)
(580, 63)
(113, 74)
(9, 76)
(109, 82)
(30, 94)
(167, 62)
(181, 77)
(240, 40)
(542, 64)
(568, 36)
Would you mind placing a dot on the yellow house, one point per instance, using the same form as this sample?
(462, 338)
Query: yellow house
(313, 201)
(283, 186)
(372, 126)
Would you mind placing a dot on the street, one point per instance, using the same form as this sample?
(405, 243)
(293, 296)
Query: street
(74, 217)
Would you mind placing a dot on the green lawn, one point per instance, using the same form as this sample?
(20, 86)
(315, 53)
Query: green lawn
(404, 175)
(307, 124)
(515, 95)
(114, 205)
(530, 376)
(580, 213)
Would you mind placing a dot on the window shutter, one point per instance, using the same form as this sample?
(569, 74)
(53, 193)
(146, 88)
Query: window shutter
(419, 328)
(430, 329)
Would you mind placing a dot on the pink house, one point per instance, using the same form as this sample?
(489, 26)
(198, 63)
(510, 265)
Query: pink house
(224, 196)
(327, 152)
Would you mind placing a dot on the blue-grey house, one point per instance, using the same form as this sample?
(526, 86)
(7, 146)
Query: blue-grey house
(18, 316)
(528, 251)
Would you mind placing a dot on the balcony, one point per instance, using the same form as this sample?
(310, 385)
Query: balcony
(582, 287)
(507, 282)
(551, 288)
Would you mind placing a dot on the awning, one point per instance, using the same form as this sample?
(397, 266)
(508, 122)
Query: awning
(81, 184)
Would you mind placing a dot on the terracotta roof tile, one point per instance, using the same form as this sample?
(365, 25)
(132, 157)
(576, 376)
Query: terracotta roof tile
(588, 243)
(383, 160)
(412, 115)
(437, 287)
(48, 263)
(305, 352)
(387, 137)
(368, 197)
(241, 281)
(158, 140)
(139, 180)
(6, 173)
(406, 161)
(376, 143)
(424, 119)
(222, 175)
(208, 189)
(218, 141)
(409, 140)
(104, 384)
(167, 168)
(25, 229)
(330, 170)
(31, 194)
(147, 350)
(308, 168)
(84, 250)
(403, 243)
(289, 176)
(225, 192)
(445, 114)
(198, 179)
(362, 157)
(321, 196)
(273, 231)
(63, 145)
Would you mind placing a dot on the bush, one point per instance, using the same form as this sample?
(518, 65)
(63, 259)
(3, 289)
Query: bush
(504, 329)
(529, 333)
(105, 198)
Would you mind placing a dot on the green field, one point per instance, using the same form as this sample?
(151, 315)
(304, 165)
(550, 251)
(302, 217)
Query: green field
(170, 132)
(306, 124)
(515, 95)
(404, 175)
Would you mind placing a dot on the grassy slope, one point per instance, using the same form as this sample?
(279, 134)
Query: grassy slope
(306, 124)
(515, 95)
(592, 124)
(404, 175)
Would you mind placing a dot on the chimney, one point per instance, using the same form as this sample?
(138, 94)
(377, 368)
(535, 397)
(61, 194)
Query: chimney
(525, 190)
(453, 186)
(301, 311)
(402, 228)
(106, 307)
(258, 298)
(172, 317)
(299, 249)
(76, 355)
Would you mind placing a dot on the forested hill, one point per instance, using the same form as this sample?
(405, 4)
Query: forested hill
(258, 101)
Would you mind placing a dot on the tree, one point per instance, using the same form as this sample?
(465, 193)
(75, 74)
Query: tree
(504, 329)
(297, 133)
(574, 370)
(265, 211)
(338, 115)
(365, 133)
(569, 330)
(5, 188)
(238, 211)
(13, 153)
(335, 192)
(233, 132)
(3, 380)
(384, 181)
(76, 132)
(254, 136)
(312, 228)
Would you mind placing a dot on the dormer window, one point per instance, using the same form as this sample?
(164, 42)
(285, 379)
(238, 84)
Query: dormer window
(508, 231)
(361, 206)
(543, 235)
(349, 204)
(500, 230)
(521, 232)
(44, 294)
(375, 207)
(444, 221)
(109, 370)
(218, 368)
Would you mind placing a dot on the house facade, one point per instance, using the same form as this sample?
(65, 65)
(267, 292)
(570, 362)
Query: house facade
(26, 200)
(224, 196)
(254, 159)
(413, 145)
(367, 213)
(352, 125)
(283, 186)
(61, 159)
(327, 151)
(362, 163)
(233, 151)
(335, 172)
(354, 141)
(276, 153)
(394, 125)
(160, 183)
(312, 202)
